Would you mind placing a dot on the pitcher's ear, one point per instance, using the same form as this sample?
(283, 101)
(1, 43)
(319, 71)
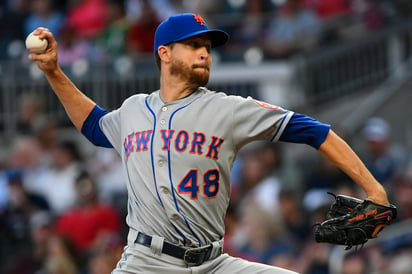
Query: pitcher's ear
(164, 53)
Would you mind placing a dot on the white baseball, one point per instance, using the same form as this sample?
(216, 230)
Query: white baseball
(36, 45)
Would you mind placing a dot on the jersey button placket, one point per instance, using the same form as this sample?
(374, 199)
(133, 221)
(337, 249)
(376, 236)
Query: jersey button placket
(162, 120)
(175, 217)
(165, 190)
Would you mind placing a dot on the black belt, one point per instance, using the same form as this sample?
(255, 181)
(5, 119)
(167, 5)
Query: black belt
(191, 256)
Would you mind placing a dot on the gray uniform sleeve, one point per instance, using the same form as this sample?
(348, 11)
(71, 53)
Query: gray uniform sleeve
(110, 125)
(256, 120)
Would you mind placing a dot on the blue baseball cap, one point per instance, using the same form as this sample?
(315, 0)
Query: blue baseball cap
(182, 26)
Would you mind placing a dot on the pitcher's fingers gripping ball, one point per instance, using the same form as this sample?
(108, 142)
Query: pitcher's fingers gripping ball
(35, 44)
(353, 222)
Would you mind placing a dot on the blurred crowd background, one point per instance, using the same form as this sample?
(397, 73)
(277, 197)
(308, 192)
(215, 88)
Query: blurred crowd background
(101, 29)
(63, 202)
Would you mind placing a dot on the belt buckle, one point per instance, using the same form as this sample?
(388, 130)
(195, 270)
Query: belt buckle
(194, 256)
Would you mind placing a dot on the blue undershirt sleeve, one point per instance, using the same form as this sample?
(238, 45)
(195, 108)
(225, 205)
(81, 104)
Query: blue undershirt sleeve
(305, 130)
(91, 128)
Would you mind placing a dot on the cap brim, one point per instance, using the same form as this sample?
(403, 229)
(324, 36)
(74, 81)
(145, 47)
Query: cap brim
(217, 37)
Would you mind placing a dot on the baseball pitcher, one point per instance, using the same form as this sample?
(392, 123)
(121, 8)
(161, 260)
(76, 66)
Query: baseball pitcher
(178, 145)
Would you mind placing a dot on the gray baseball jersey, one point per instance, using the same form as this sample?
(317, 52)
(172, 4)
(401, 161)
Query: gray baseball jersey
(178, 158)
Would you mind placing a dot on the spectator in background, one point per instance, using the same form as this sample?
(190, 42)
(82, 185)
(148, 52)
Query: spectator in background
(401, 264)
(71, 47)
(355, 263)
(164, 8)
(264, 235)
(34, 120)
(260, 176)
(102, 262)
(314, 257)
(368, 13)
(133, 9)
(88, 17)
(106, 166)
(251, 25)
(45, 132)
(167, 8)
(90, 221)
(294, 216)
(26, 157)
(294, 29)
(266, 193)
(327, 9)
(208, 8)
(252, 172)
(323, 176)
(402, 194)
(296, 221)
(15, 220)
(364, 16)
(383, 158)
(58, 185)
(20, 198)
(334, 15)
(44, 14)
(231, 230)
(32, 107)
(142, 33)
(12, 14)
(105, 255)
(31, 259)
(62, 256)
(114, 37)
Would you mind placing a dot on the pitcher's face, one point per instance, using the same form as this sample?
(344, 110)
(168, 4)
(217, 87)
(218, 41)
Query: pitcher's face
(191, 60)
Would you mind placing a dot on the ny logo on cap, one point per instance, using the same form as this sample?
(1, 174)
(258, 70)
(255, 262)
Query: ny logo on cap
(199, 19)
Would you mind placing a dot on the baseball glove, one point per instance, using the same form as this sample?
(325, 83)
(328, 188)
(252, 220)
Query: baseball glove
(353, 222)
(343, 205)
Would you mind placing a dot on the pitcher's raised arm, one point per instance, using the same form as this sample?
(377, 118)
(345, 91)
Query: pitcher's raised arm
(340, 153)
(77, 105)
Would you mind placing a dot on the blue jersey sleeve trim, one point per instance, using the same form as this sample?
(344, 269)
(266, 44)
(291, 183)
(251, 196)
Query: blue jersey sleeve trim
(282, 126)
(305, 130)
(91, 128)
